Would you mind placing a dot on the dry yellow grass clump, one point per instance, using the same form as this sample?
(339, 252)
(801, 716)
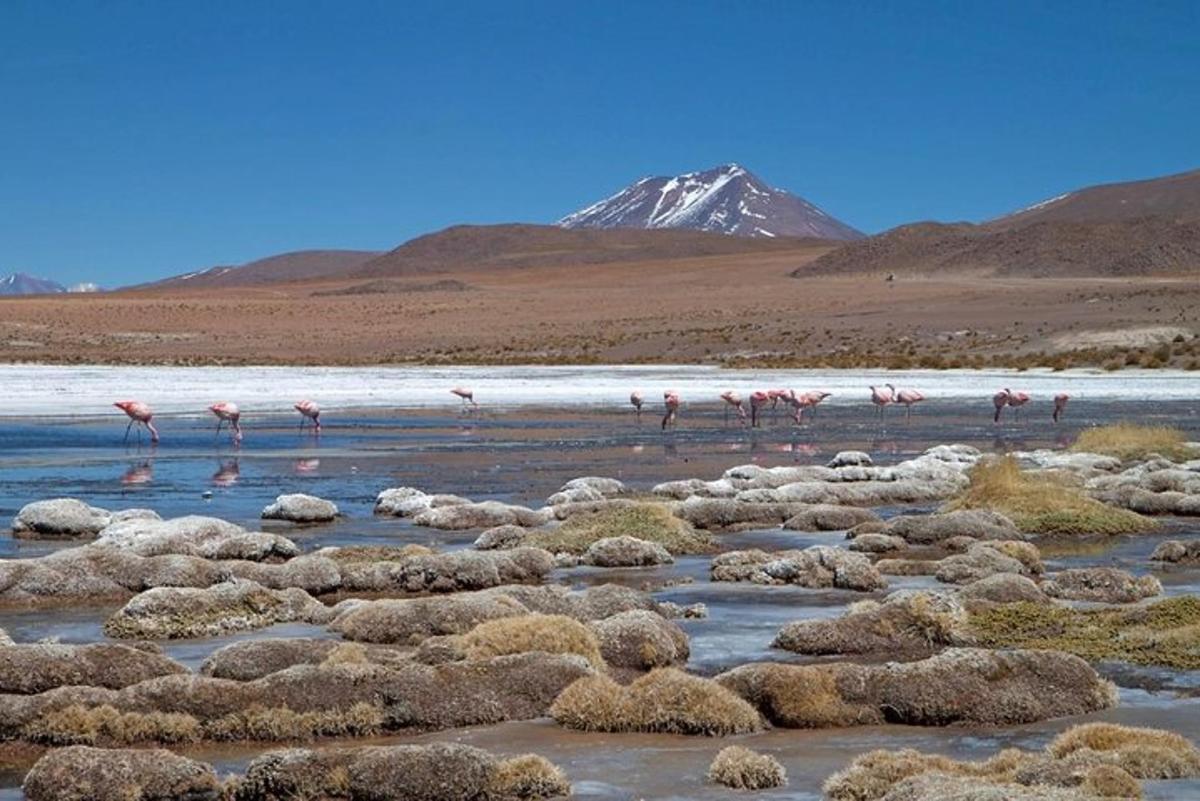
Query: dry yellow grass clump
(743, 769)
(652, 522)
(83, 725)
(665, 700)
(554, 634)
(528, 776)
(1043, 503)
(1143, 753)
(1104, 760)
(1131, 442)
(350, 554)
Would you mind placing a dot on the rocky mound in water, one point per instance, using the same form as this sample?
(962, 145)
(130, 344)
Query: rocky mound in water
(433, 772)
(334, 698)
(197, 552)
(959, 685)
(818, 567)
(69, 518)
(409, 621)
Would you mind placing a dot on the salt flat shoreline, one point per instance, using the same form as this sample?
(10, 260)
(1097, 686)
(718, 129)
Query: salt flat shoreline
(54, 390)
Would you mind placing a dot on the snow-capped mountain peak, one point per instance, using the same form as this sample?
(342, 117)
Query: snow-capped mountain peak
(24, 284)
(728, 199)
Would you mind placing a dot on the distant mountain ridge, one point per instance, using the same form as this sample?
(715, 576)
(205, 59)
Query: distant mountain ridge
(298, 265)
(728, 199)
(25, 284)
(1135, 228)
(463, 248)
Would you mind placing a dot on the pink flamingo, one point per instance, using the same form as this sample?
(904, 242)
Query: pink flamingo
(807, 400)
(228, 413)
(309, 410)
(466, 394)
(635, 398)
(1017, 400)
(732, 399)
(140, 414)
(908, 397)
(999, 400)
(882, 397)
(1060, 405)
(671, 402)
(758, 400)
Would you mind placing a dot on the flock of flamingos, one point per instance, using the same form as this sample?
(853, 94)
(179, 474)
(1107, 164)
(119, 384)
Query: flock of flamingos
(883, 396)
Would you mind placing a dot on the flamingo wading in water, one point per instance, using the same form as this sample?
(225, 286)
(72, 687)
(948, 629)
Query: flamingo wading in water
(908, 397)
(671, 402)
(636, 400)
(467, 396)
(1017, 400)
(999, 400)
(758, 400)
(309, 410)
(882, 397)
(734, 400)
(228, 413)
(1060, 405)
(139, 414)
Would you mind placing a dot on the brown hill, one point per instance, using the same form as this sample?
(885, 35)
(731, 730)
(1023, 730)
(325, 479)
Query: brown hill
(298, 265)
(1139, 228)
(1173, 197)
(485, 247)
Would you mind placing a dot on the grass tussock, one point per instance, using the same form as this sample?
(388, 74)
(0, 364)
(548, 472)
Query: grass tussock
(273, 724)
(652, 522)
(106, 726)
(1132, 442)
(743, 769)
(82, 725)
(347, 653)
(377, 553)
(1163, 633)
(1043, 503)
(665, 700)
(1142, 753)
(871, 775)
(553, 634)
(528, 776)
(1105, 760)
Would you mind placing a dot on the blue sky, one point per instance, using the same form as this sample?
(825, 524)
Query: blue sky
(141, 139)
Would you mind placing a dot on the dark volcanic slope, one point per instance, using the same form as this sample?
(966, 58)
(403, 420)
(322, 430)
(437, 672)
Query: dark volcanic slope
(480, 247)
(727, 200)
(1139, 228)
(1174, 197)
(299, 265)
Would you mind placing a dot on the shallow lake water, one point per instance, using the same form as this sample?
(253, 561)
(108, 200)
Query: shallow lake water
(523, 453)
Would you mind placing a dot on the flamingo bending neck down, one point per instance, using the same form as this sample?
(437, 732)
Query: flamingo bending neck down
(882, 397)
(140, 414)
(908, 397)
(467, 395)
(758, 400)
(671, 402)
(1017, 400)
(805, 400)
(309, 410)
(636, 400)
(999, 400)
(734, 400)
(1060, 405)
(228, 413)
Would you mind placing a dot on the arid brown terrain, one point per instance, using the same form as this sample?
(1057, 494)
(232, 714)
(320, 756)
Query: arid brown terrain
(740, 308)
